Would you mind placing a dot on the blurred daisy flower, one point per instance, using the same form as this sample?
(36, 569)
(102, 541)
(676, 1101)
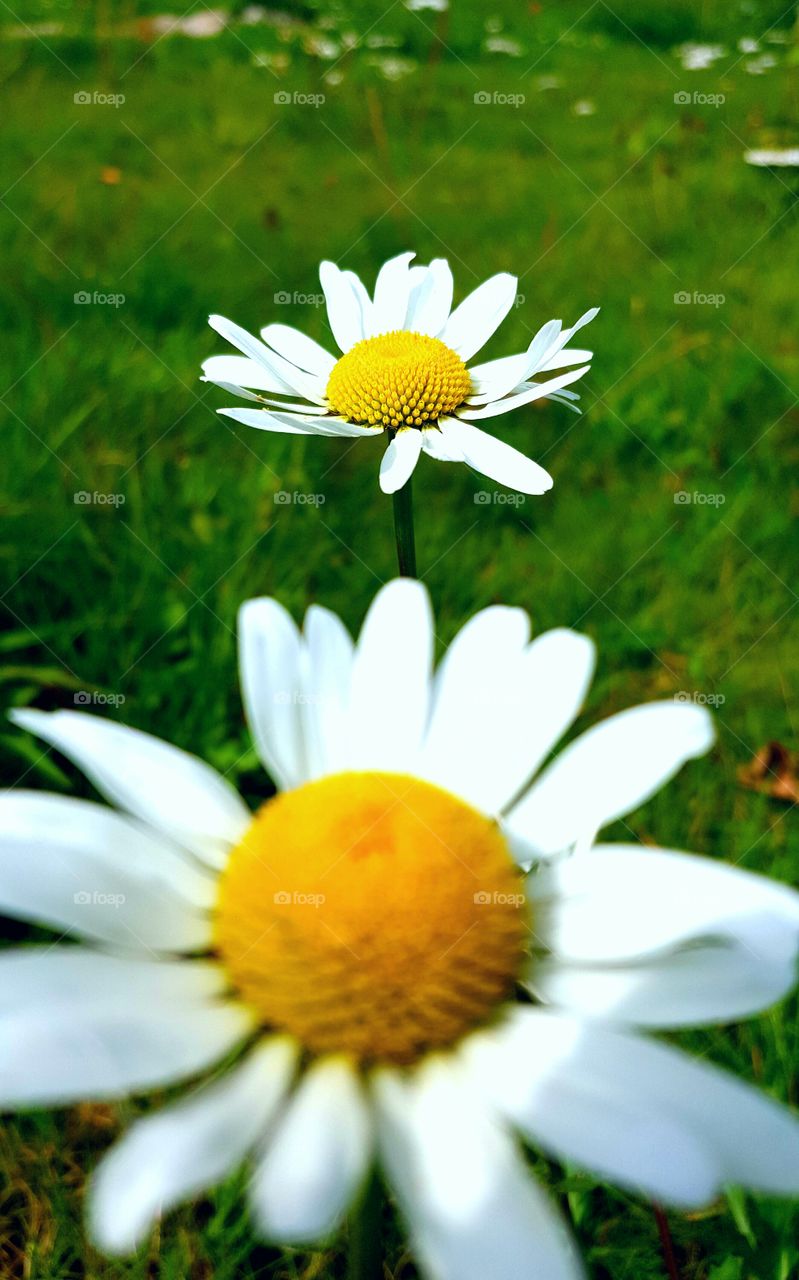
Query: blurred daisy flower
(403, 371)
(342, 970)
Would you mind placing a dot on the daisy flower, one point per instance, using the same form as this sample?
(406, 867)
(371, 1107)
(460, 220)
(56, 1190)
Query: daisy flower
(339, 974)
(403, 371)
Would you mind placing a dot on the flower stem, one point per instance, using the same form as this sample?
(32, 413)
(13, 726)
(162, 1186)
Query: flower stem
(403, 530)
(666, 1243)
(366, 1253)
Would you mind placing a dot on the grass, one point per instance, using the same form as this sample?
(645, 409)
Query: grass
(201, 193)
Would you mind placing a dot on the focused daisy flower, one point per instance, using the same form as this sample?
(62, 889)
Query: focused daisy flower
(344, 967)
(403, 371)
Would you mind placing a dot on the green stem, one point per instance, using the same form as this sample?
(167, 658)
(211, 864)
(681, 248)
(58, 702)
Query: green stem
(403, 530)
(366, 1251)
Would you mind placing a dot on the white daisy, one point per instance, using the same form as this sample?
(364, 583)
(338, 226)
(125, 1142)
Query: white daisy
(403, 371)
(353, 953)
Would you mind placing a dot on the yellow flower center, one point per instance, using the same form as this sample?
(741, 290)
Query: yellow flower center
(372, 914)
(398, 379)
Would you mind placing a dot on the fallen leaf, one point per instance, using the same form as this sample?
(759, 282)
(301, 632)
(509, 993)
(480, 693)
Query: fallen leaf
(774, 772)
(110, 175)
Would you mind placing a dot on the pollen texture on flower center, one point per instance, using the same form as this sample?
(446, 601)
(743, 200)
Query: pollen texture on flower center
(398, 379)
(372, 914)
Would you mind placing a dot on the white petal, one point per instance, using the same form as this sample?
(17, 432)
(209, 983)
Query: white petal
(399, 459)
(564, 359)
(566, 336)
(479, 315)
(718, 982)
(431, 300)
(542, 344)
(539, 1076)
(496, 378)
(640, 1112)
(473, 1208)
(173, 791)
(289, 424)
(63, 978)
(272, 680)
(285, 407)
(329, 656)
(494, 458)
(317, 1158)
(299, 349)
(362, 298)
(294, 379)
(554, 676)
(283, 425)
(391, 295)
(468, 682)
(186, 1148)
(614, 903)
(609, 771)
(344, 311)
(242, 372)
(391, 679)
(233, 389)
(51, 1057)
(81, 867)
(439, 446)
(500, 708)
(533, 391)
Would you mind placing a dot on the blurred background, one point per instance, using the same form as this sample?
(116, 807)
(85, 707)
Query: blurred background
(158, 167)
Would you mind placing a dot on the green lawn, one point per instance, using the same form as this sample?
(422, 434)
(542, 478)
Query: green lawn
(201, 192)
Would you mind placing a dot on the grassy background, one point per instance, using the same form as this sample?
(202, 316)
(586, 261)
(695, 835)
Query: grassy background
(202, 193)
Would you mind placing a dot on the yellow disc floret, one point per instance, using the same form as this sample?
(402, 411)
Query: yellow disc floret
(372, 914)
(398, 379)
